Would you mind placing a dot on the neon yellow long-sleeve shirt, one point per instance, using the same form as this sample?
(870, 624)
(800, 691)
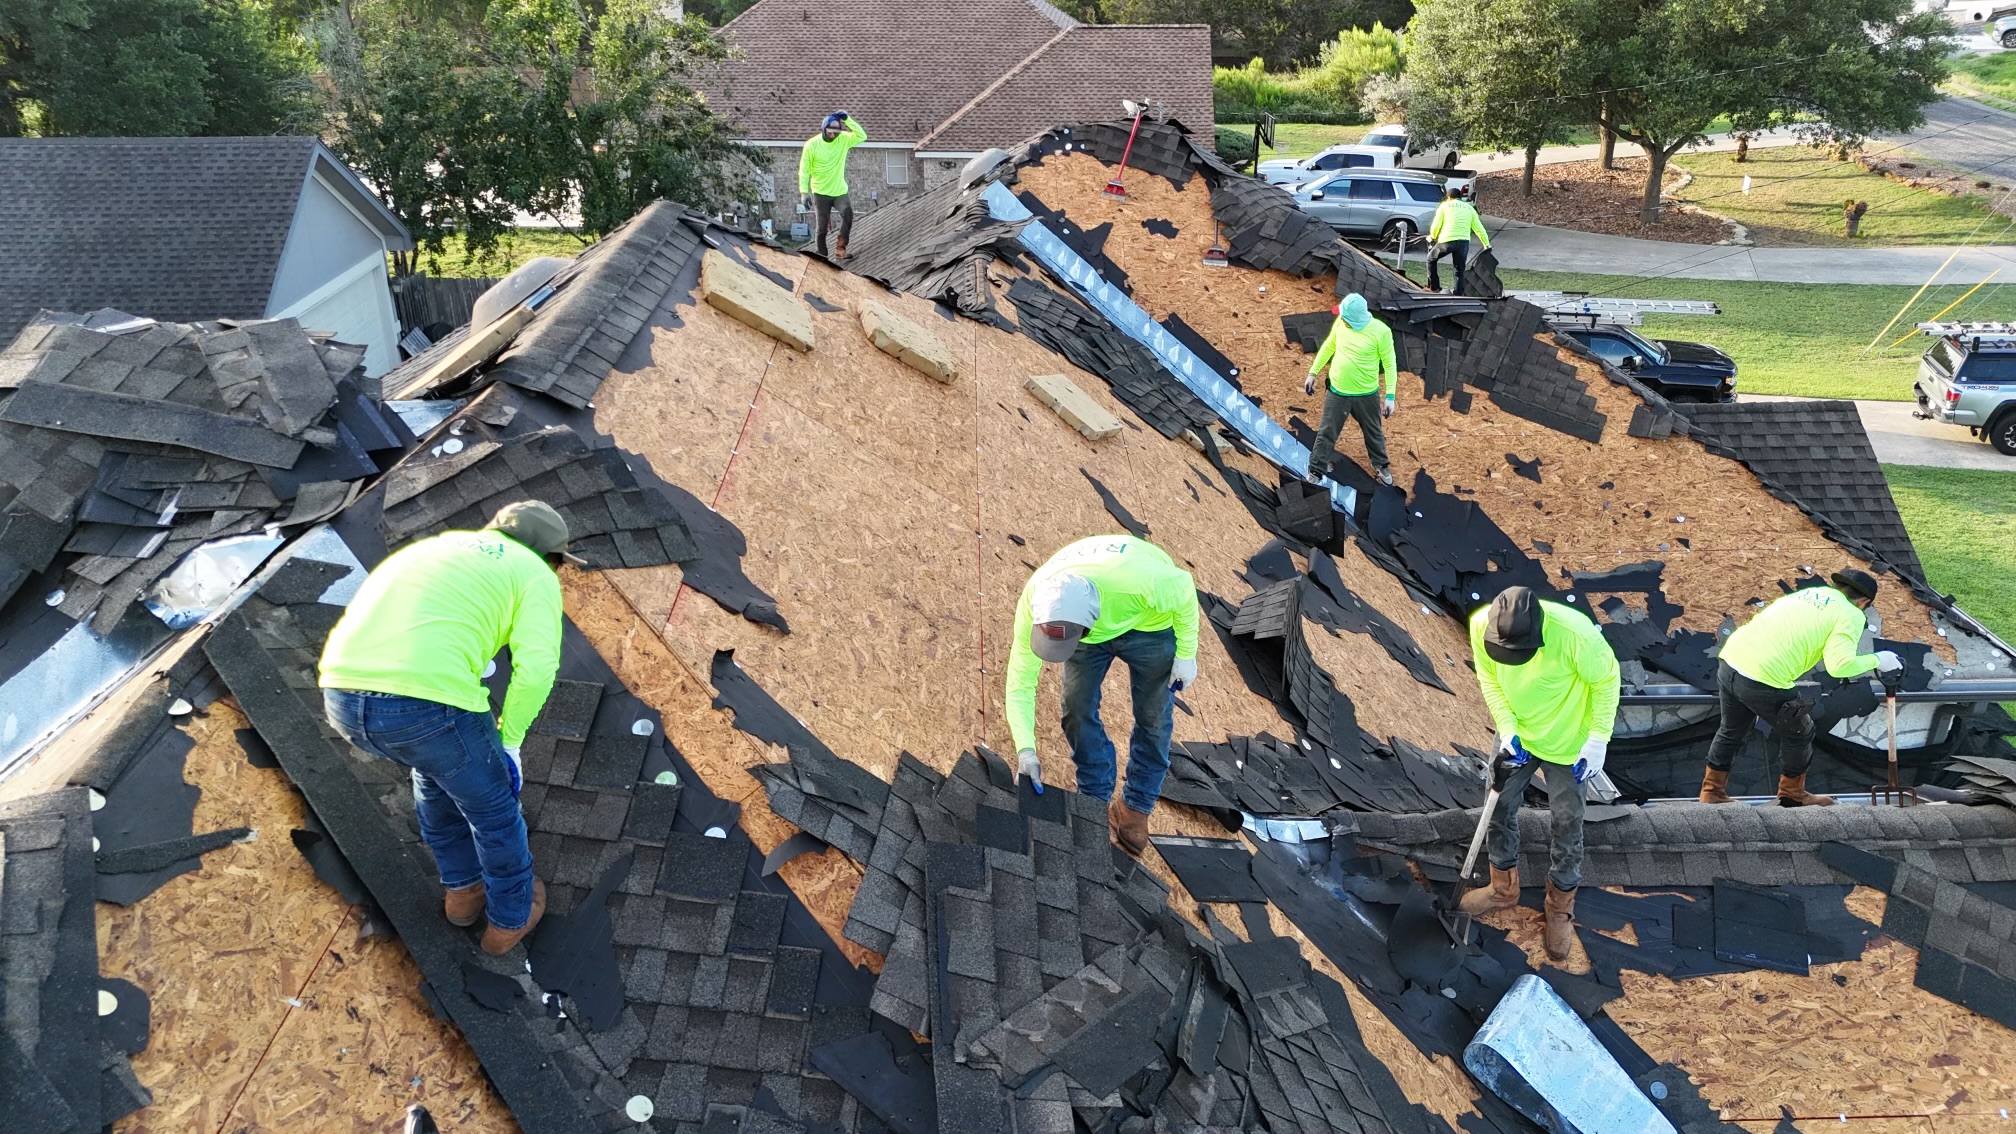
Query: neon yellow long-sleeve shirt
(1140, 588)
(822, 168)
(427, 621)
(1566, 694)
(1795, 633)
(1457, 220)
(1354, 359)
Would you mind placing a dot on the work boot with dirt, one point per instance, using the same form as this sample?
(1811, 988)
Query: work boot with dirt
(463, 906)
(840, 248)
(1792, 793)
(1559, 933)
(1712, 787)
(1501, 894)
(1130, 827)
(498, 942)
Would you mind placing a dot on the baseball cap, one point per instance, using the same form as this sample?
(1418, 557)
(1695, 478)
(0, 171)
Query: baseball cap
(1062, 609)
(535, 524)
(1514, 628)
(1855, 581)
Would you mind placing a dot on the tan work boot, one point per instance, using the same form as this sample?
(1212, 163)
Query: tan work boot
(463, 906)
(1792, 793)
(1501, 894)
(1130, 827)
(1559, 933)
(840, 248)
(498, 942)
(1712, 785)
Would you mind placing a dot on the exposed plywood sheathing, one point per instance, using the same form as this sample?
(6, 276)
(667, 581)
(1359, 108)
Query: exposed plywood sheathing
(269, 1015)
(1735, 550)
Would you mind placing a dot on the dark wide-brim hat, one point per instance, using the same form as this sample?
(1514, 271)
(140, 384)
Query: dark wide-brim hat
(1515, 627)
(1855, 581)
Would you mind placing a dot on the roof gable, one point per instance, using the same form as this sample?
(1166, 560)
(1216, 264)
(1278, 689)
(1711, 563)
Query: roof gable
(180, 229)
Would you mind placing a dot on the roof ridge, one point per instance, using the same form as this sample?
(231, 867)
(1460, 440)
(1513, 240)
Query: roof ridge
(1054, 14)
(988, 91)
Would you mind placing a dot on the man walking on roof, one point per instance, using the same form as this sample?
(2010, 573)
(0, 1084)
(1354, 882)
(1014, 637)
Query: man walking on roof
(1358, 349)
(822, 176)
(1455, 224)
(1551, 683)
(1767, 655)
(402, 680)
(1097, 600)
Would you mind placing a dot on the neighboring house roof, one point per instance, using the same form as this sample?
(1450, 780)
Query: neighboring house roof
(181, 229)
(966, 76)
(1081, 76)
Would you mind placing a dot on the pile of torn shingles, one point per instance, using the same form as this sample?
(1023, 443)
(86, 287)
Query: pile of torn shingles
(124, 443)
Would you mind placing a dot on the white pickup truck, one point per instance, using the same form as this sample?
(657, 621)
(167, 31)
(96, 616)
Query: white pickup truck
(1383, 147)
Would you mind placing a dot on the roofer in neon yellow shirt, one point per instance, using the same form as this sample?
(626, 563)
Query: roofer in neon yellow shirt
(1357, 350)
(822, 176)
(1097, 600)
(402, 680)
(1767, 655)
(1455, 224)
(1552, 684)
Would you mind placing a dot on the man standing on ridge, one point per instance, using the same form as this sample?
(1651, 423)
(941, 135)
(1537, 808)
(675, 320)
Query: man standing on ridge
(402, 679)
(1552, 685)
(1767, 655)
(1358, 348)
(822, 177)
(1099, 599)
(1455, 223)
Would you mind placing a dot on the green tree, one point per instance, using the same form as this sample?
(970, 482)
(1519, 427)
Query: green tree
(1285, 33)
(148, 67)
(1355, 56)
(435, 137)
(1835, 70)
(1500, 67)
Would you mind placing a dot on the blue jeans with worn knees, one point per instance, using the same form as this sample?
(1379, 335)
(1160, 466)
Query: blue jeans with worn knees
(461, 791)
(1150, 656)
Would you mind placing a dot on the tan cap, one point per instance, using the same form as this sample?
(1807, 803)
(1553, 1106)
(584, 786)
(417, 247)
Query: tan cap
(538, 526)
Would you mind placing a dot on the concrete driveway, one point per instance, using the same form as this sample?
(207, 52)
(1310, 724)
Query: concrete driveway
(1966, 135)
(1900, 439)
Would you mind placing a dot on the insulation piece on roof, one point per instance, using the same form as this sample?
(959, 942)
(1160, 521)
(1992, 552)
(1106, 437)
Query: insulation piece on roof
(749, 298)
(1072, 404)
(909, 343)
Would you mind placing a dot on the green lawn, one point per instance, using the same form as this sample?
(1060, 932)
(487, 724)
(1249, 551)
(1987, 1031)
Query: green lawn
(1796, 194)
(1963, 522)
(1988, 77)
(1800, 339)
(1300, 139)
(518, 246)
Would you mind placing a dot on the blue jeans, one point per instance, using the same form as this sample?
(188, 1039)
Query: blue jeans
(461, 791)
(1150, 656)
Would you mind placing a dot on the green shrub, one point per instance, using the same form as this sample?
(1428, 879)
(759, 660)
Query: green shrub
(1356, 55)
(1243, 94)
(1235, 146)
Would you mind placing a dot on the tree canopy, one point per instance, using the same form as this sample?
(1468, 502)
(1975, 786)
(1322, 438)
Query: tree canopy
(1285, 33)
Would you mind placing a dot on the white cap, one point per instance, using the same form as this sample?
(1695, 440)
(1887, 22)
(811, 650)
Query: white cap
(1062, 609)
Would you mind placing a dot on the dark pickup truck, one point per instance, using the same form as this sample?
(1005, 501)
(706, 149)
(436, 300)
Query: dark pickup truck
(1681, 371)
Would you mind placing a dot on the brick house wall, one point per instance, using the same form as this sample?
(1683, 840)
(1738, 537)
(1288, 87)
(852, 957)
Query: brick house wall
(869, 181)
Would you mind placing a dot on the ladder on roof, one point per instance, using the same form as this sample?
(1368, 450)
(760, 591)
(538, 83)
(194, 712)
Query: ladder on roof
(1579, 303)
(2001, 330)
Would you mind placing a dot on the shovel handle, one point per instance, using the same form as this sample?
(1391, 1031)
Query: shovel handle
(1477, 839)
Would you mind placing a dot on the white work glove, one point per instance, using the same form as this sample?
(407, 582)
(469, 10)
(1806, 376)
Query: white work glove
(1513, 752)
(1183, 675)
(1887, 661)
(517, 768)
(1590, 762)
(1027, 765)
(1386, 408)
(1309, 384)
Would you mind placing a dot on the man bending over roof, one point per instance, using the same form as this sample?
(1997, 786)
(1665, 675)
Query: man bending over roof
(1099, 599)
(1767, 655)
(1552, 685)
(1358, 348)
(402, 679)
(822, 177)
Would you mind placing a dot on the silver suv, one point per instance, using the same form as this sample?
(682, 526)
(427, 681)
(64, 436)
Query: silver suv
(1391, 204)
(1970, 380)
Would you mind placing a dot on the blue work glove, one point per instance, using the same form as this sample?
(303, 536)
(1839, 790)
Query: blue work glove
(841, 115)
(1590, 761)
(517, 764)
(1183, 675)
(1512, 753)
(1028, 766)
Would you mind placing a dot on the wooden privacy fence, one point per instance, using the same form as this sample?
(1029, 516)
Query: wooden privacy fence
(423, 301)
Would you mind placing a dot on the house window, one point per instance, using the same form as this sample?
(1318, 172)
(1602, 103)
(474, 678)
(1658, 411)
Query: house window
(896, 169)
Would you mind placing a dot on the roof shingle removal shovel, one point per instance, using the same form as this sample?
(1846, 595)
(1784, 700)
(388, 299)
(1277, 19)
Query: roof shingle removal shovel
(1891, 793)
